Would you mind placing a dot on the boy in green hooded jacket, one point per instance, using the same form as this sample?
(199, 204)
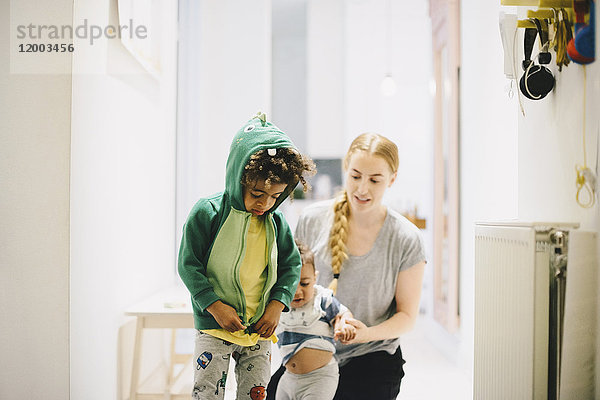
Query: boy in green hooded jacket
(239, 261)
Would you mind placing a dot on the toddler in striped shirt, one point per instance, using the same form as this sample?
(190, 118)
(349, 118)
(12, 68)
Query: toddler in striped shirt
(306, 337)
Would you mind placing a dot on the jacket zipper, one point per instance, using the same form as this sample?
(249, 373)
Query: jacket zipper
(236, 273)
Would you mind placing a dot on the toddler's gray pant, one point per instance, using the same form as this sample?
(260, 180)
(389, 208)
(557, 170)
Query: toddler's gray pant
(319, 384)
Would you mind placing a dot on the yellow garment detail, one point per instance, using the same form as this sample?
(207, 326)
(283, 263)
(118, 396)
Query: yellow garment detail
(253, 275)
(239, 337)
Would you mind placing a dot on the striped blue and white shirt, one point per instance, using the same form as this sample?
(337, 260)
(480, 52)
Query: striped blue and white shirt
(309, 326)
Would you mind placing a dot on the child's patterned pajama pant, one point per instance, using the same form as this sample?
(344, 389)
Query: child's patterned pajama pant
(252, 369)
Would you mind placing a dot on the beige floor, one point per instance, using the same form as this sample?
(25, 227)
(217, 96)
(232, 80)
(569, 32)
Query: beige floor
(429, 374)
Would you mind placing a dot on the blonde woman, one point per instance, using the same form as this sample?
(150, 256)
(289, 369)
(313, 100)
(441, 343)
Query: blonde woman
(374, 259)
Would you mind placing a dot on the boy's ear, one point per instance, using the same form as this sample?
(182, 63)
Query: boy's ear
(316, 273)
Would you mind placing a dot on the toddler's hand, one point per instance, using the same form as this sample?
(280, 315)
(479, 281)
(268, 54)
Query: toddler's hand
(226, 316)
(362, 332)
(266, 325)
(344, 332)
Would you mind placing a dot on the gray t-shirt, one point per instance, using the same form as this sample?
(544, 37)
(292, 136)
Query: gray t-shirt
(367, 284)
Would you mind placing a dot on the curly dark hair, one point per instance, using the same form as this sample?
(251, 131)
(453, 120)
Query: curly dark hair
(287, 166)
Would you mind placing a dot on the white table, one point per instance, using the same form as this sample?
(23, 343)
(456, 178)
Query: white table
(169, 308)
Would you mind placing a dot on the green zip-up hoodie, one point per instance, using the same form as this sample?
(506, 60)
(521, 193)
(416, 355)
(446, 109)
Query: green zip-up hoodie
(214, 237)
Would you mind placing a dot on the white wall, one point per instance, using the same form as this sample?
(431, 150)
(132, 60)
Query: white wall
(551, 144)
(34, 233)
(122, 193)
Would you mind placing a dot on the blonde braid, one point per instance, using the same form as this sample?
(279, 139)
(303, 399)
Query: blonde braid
(338, 236)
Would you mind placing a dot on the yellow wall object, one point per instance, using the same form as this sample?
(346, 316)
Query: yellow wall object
(538, 3)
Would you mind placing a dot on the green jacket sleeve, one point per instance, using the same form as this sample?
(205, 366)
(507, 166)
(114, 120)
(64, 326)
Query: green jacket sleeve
(289, 263)
(195, 245)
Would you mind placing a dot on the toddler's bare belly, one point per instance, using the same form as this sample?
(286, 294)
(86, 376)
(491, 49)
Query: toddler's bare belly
(307, 360)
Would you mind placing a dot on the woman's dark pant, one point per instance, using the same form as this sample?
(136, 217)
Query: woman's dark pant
(272, 386)
(374, 376)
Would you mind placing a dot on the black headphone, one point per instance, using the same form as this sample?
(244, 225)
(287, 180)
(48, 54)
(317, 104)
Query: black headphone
(537, 80)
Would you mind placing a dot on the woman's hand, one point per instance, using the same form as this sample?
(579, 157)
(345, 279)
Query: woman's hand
(266, 325)
(362, 332)
(226, 316)
(408, 293)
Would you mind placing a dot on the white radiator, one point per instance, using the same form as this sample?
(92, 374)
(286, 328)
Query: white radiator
(520, 351)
